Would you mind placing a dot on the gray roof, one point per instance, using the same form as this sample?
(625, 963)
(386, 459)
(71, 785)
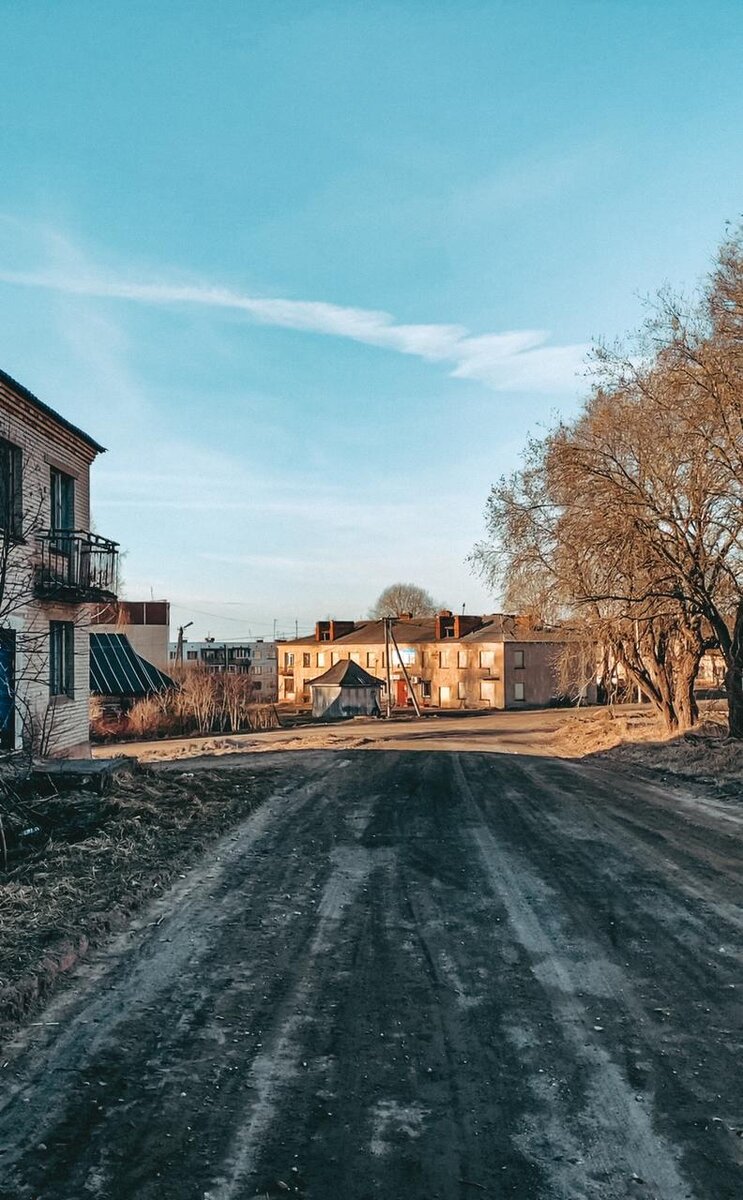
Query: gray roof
(346, 673)
(117, 670)
(50, 412)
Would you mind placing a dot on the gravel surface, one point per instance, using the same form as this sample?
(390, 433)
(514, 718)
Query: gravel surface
(409, 976)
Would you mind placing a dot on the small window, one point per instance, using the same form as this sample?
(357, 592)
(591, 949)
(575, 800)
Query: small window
(355, 657)
(306, 660)
(321, 659)
(192, 654)
(171, 656)
(257, 670)
(11, 488)
(61, 658)
(288, 658)
(461, 690)
(257, 685)
(487, 658)
(334, 657)
(444, 695)
(462, 659)
(444, 658)
(518, 691)
(425, 689)
(371, 659)
(518, 660)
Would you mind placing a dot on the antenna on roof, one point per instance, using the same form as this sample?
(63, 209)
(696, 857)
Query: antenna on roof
(463, 608)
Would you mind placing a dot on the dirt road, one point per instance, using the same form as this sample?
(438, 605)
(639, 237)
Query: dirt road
(410, 976)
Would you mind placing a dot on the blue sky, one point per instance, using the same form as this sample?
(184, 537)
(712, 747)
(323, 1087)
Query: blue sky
(313, 271)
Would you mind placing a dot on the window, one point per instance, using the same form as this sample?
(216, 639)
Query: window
(487, 691)
(518, 660)
(461, 690)
(62, 495)
(444, 658)
(371, 659)
(462, 659)
(334, 657)
(355, 657)
(257, 685)
(321, 658)
(288, 658)
(306, 660)
(425, 689)
(192, 654)
(241, 652)
(405, 654)
(61, 658)
(11, 488)
(518, 691)
(487, 658)
(257, 670)
(171, 656)
(444, 695)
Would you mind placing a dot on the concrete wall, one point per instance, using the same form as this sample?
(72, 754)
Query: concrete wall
(45, 444)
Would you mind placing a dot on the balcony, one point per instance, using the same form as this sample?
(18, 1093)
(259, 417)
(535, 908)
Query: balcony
(76, 567)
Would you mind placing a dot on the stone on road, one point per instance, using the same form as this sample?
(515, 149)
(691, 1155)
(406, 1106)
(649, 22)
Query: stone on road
(409, 976)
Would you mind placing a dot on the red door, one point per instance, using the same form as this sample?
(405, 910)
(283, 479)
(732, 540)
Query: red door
(401, 698)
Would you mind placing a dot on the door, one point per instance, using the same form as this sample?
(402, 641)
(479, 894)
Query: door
(401, 688)
(7, 689)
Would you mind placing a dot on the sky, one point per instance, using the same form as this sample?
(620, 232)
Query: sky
(313, 272)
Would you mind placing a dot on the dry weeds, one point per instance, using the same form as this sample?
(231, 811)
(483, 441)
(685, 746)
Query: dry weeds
(105, 858)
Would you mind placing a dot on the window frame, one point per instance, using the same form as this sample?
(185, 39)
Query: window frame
(11, 521)
(61, 659)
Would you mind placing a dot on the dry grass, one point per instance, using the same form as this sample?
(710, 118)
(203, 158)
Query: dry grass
(637, 736)
(100, 859)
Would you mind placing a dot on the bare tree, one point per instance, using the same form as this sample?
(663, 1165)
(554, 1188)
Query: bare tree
(399, 599)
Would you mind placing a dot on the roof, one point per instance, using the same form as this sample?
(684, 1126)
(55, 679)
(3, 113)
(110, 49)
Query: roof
(117, 670)
(346, 673)
(50, 412)
(497, 627)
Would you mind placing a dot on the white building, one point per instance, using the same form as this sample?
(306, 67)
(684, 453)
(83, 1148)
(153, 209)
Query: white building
(256, 658)
(52, 569)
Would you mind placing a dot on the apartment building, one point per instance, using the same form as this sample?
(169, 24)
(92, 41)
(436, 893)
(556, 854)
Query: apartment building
(449, 661)
(255, 658)
(52, 569)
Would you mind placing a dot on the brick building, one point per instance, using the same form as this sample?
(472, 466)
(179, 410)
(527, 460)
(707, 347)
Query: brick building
(452, 661)
(52, 569)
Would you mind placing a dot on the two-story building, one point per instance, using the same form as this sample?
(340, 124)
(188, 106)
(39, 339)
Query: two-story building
(52, 569)
(449, 661)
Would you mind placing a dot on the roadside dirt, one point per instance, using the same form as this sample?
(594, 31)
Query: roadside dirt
(409, 976)
(89, 862)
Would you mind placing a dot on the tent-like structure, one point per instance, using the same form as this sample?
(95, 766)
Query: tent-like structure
(346, 690)
(119, 675)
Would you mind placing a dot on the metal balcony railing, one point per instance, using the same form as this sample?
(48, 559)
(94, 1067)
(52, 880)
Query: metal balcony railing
(76, 566)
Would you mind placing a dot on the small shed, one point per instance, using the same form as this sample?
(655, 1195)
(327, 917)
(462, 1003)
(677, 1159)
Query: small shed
(119, 676)
(346, 690)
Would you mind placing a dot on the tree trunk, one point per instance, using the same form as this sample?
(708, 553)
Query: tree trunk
(734, 678)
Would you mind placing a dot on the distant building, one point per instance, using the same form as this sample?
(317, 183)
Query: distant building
(146, 624)
(256, 658)
(452, 661)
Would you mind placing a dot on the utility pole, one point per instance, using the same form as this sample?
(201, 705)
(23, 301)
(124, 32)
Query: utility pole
(179, 643)
(413, 696)
(386, 621)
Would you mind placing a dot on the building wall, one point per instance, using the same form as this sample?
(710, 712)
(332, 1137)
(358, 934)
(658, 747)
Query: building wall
(146, 623)
(448, 674)
(45, 444)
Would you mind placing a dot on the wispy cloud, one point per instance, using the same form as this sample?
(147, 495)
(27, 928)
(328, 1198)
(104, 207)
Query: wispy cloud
(521, 360)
